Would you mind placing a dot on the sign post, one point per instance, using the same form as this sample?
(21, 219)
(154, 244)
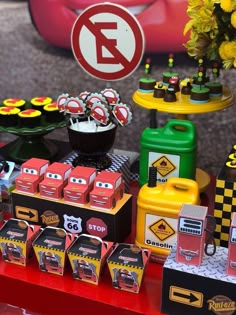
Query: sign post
(107, 41)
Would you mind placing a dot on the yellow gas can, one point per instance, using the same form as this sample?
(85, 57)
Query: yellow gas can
(158, 206)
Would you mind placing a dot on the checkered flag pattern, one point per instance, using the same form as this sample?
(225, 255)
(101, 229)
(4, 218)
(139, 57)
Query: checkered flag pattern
(120, 163)
(225, 204)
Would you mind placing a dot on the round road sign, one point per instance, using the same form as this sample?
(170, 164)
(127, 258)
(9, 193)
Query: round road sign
(107, 41)
(96, 227)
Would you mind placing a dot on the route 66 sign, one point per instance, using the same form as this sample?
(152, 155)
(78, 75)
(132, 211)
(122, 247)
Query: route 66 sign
(72, 224)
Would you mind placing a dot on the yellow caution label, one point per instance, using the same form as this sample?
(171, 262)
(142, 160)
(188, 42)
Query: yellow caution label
(27, 214)
(185, 296)
(164, 166)
(162, 229)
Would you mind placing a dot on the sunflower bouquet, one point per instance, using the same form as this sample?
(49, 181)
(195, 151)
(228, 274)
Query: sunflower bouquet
(212, 27)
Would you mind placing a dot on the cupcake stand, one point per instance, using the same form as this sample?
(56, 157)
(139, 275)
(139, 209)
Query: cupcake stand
(182, 108)
(31, 142)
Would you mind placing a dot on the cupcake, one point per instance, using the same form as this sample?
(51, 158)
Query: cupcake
(199, 95)
(186, 86)
(159, 90)
(52, 113)
(167, 75)
(16, 102)
(170, 95)
(9, 116)
(174, 83)
(216, 88)
(230, 170)
(40, 101)
(146, 84)
(30, 118)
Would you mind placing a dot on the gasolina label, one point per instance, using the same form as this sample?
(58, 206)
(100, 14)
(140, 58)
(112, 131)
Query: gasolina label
(159, 231)
(167, 165)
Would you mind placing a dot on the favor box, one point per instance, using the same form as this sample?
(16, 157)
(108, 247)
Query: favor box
(50, 249)
(87, 255)
(127, 264)
(32, 172)
(204, 289)
(16, 237)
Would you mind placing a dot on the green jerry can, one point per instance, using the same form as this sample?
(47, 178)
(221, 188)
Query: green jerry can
(172, 149)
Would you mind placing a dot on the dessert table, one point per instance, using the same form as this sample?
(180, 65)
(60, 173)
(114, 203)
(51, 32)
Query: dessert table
(49, 294)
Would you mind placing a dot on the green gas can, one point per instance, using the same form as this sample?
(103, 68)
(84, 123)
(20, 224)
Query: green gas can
(172, 149)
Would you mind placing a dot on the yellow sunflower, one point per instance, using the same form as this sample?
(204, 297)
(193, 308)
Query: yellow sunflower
(227, 52)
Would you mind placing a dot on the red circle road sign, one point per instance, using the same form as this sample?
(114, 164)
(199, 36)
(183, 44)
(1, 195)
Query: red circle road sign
(107, 41)
(96, 227)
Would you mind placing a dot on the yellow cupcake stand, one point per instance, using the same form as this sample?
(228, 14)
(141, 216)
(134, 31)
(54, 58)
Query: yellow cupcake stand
(182, 108)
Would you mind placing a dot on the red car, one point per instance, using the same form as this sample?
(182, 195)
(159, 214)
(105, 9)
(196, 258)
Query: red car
(108, 189)
(50, 263)
(13, 254)
(84, 271)
(125, 280)
(162, 21)
(80, 184)
(55, 179)
(32, 172)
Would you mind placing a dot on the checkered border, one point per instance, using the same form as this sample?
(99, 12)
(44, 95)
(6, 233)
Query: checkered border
(225, 204)
(120, 163)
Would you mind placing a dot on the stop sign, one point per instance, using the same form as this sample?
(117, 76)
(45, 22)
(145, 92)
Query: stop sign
(96, 227)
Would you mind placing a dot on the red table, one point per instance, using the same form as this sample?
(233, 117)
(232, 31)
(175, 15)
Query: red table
(45, 293)
(30, 288)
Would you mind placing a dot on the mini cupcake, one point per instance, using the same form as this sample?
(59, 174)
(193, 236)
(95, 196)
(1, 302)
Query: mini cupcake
(216, 88)
(186, 86)
(167, 75)
(30, 118)
(174, 83)
(16, 102)
(40, 101)
(170, 95)
(52, 113)
(9, 116)
(159, 90)
(199, 95)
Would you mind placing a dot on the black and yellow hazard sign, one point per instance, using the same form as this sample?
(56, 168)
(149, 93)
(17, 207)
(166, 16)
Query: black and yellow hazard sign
(162, 229)
(186, 296)
(164, 166)
(27, 214)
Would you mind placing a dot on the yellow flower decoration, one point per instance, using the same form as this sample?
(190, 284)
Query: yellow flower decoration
(227, 52)
(233, 19)
(228, 5)
(202, 18)
(211, 35)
